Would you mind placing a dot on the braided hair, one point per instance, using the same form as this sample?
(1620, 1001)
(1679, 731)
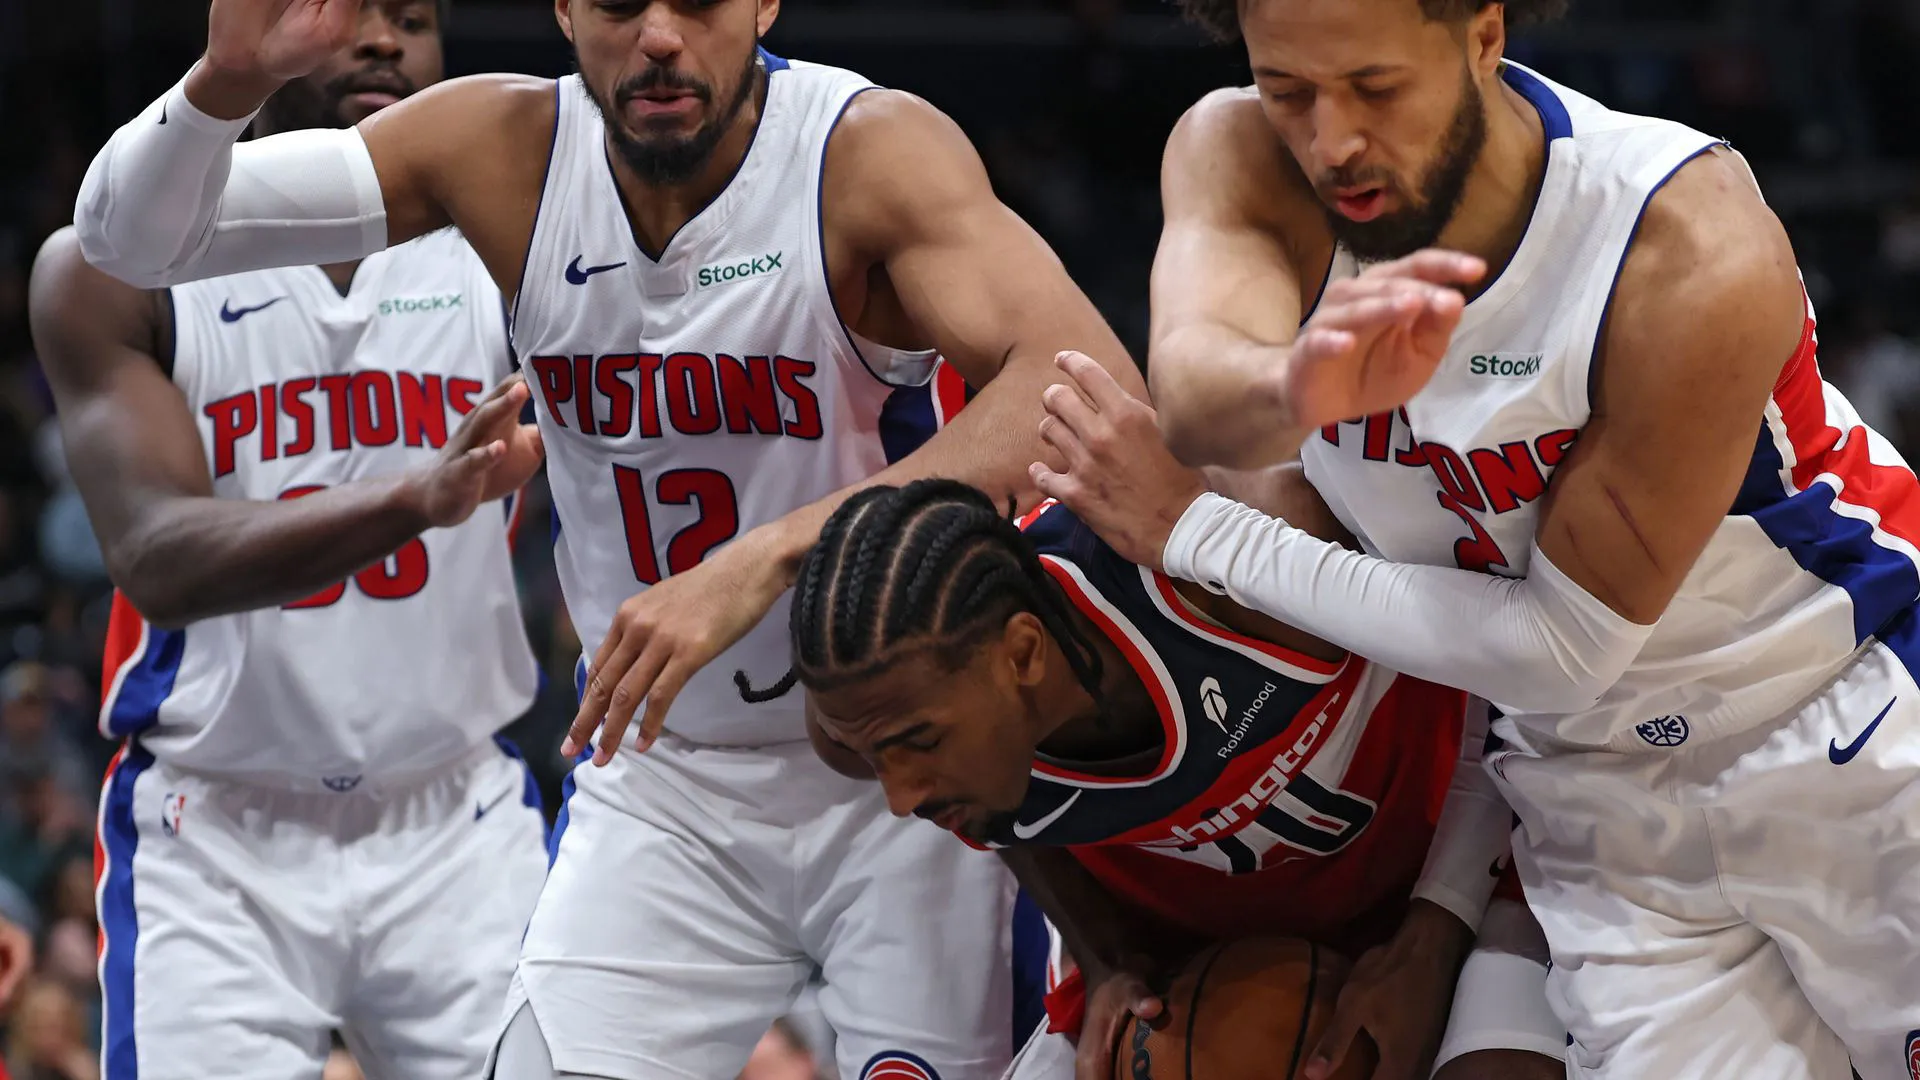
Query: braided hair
(929, 568)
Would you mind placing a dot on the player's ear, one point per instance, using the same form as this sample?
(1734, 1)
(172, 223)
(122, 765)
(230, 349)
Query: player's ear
(1487, 40)
(1023, 642)
(563, 14)
(769, 11)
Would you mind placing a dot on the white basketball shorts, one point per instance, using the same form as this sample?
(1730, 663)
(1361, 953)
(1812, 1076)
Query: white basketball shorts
(696, 889)
(241, 924)
(1746, 906)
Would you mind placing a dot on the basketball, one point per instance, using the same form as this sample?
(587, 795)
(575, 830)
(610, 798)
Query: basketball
(1244, 1010)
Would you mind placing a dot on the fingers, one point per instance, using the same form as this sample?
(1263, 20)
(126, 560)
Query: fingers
(1066, 442)
(1093, 1058)
(1433, 265)
(1053, 485)
(500, 388)
(1377, 307)
(626, 697)
(610, 662)
(1092, 380)
(660, 695)
(497, 409)
(1331, 1048)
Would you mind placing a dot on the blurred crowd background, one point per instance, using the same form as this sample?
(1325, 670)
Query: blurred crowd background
(1069, 102)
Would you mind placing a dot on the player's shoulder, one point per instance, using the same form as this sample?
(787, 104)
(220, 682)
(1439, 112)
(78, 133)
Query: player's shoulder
(1708, 253)
(894, 165)
(1224, 154)
(1225, 120)
(1057, 532)
(495, 109)
(63, 284)
(882, 126)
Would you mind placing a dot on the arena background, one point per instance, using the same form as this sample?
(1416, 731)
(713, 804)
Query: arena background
(1068, 100)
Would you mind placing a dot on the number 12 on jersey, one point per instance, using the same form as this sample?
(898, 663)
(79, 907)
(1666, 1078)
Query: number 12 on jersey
(710, 492)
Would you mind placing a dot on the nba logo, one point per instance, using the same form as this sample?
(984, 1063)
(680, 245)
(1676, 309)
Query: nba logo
(1913, 1055)
(898, 1065)
(170, 810)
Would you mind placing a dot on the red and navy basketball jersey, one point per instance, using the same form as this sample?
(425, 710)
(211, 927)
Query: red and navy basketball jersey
(1291, 795)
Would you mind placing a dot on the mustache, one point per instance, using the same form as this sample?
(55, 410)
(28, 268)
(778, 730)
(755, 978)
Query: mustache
(658, 77)
(1351, 177)
(372, 79)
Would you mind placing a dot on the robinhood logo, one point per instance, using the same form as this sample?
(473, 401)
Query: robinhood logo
(415, 305)
(1506, 365)
(723, 273)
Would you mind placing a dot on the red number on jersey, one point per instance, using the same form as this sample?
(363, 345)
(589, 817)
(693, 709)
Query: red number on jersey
(1477, 552)
(396, 577)
(719, 517)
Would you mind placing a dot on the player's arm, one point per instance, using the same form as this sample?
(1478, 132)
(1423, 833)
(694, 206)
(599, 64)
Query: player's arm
(1237, 380)
(909, 193)
(1707, 312)
(135, 451)
(171, 197)
(1101, 934)
(1225, 288)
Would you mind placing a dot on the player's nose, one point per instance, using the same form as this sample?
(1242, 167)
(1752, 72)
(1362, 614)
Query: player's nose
(378, 38)
(903, 799)
(660, 38)
(1337, 138)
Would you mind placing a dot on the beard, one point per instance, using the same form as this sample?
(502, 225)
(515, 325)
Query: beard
(303, 103)
(665, 160)
(1417, 225)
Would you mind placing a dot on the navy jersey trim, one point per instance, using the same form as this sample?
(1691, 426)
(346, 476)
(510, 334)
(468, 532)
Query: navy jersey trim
(540, 204)
(1553, 112)
(1606, 313)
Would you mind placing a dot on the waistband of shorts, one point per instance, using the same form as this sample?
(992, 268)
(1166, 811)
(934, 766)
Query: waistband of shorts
(1659, 736)
(381, 784)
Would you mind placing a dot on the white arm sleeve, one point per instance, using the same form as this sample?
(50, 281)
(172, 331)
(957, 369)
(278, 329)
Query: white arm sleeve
(1539, 644)
(171, 199)
(1473, 835)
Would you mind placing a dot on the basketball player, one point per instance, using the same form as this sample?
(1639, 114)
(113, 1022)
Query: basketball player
(1702, 629)
(732, 278)
(1162, 768)
(311, 826)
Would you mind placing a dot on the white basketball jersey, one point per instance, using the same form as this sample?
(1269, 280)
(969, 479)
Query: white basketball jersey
(690, 397)
(405, 665)
(1816, 555)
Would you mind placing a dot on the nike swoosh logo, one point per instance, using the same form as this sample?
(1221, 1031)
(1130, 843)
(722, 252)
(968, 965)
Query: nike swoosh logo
(1840, 755)
(1027, 832)
(229, 315)
(481, 811)
(163, 113)
(578, 276)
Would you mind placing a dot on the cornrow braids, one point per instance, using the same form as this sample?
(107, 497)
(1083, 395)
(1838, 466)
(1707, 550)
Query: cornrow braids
(931, 567)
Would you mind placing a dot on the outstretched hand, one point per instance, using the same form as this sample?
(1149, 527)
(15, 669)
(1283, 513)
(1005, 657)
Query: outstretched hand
(661, 637)
(491, 455)
(1374, 340)
(1120, 478)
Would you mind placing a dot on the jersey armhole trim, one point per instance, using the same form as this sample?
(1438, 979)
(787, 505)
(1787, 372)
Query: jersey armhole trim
(820, 230)
(1626, 250)
(1299, 665)
(539, 205)
(1080, 595)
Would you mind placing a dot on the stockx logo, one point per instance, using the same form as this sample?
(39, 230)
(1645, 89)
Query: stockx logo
(419, 305)
(725, 273)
